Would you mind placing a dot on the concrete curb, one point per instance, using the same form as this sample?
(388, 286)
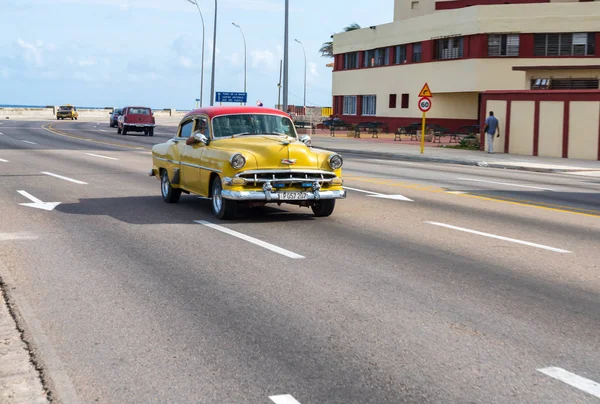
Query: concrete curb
(485, 164)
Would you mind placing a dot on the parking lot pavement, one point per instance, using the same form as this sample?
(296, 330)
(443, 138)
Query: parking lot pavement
(429, 283)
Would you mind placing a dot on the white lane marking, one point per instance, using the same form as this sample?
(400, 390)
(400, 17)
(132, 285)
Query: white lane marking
(17, 236)
(456, 192)
(3, 161)
(37, 203)
(100, 156)
(1, 133)
(581, 383)
(505, 183)
(362, 190)
(284, 399)
(397, 197)
(102, 130)
(249, 239)
(64, 178)
(512, 240)
(27, 141)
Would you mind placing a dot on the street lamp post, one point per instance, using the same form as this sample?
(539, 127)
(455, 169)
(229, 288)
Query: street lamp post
(245, 53)
(202, 67)
(304, 50)
(214, 54)
(285, 56)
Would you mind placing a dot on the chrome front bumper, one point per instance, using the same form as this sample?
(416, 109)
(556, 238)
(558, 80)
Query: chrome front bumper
(139, 125)
(274, 196)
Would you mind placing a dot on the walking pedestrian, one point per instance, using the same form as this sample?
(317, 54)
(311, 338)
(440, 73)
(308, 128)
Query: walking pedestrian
(491, 127)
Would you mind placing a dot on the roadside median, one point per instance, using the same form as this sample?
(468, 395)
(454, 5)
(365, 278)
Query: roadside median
(388, 149)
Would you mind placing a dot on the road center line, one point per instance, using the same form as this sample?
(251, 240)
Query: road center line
(581, 383)
(505, 183)
(100, 156)
(27, 141)
(3, 161)
(64, 178)
(284, 399)
(17, 236)
(512, 240)
(249, 239)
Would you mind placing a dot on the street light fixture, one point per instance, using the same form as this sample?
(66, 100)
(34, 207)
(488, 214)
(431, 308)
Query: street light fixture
(202, 67)
(304, 50)
(245, 53)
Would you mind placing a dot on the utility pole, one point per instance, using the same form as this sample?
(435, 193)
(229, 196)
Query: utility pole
(214, 54)
(279, 86)
(285, 56)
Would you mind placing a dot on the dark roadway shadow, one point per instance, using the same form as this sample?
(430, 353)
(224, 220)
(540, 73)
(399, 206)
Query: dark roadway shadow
(153, 210)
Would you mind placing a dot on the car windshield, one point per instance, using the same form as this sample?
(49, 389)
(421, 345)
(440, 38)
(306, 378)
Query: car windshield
(65, 108)
(139, 111)
(252, 124)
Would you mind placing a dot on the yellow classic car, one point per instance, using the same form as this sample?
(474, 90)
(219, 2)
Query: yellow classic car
(67, 112)
(249, 155)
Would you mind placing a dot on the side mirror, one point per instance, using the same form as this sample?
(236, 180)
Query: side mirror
(306, 140)
(199, 137)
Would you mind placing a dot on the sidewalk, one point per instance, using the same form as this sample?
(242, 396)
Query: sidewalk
(385, 146)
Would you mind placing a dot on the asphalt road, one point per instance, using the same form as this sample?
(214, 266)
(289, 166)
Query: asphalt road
(461, 294)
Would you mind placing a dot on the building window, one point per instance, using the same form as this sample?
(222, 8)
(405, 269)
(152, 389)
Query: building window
(377, 57)
(565, 44)
(400, 56)
(404, 101)
(448, 48)
(349, 105)
(503, 45)
(392, 100)
(368, 105)
(414, 5)
(565, 84)
(416, 56)
(351, 60)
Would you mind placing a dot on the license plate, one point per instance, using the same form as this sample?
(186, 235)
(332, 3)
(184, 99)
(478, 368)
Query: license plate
(293, 196)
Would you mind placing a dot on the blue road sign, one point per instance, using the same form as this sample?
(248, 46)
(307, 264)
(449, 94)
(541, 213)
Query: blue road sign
(231, 97)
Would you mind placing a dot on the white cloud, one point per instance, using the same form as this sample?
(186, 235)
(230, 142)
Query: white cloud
(32, 52)
(186, 62)
(234, 59)
(88, 61)
(312, 69)
(264, 59)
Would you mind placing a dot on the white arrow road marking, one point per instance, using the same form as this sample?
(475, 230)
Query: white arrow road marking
(1, 132)
(64, 178)
(284, 399)
(382, 196)
(36, 203)
(17, 236)
(27, 141)
(505, 183)
(249, 239)
(3, 161)
(512, 240)
(103, 157)
(581, 383)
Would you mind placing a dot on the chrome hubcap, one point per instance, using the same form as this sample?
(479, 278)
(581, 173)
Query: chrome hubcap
(165, 185)
(217, 198)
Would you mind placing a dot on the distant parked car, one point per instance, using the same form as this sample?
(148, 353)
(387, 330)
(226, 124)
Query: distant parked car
(114, 117)
(136, 119)
(67, 112)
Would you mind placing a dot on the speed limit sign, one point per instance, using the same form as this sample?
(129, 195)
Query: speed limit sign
(424, 104)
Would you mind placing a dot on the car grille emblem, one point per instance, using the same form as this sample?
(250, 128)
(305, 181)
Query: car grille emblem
(288, 161)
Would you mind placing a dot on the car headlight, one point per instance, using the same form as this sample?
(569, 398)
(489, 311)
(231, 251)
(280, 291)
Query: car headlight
(335, 161)
(237, 161)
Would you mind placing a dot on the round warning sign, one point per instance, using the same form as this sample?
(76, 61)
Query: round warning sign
(424, 104)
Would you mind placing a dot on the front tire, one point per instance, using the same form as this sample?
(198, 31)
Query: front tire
(323, 208)
(169, 194)
(151, 132)
(222, 208)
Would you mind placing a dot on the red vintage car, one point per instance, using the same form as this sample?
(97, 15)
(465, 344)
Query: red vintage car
(136, 119)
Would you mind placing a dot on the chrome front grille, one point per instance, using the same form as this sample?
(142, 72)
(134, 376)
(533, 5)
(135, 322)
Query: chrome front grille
(287, 178)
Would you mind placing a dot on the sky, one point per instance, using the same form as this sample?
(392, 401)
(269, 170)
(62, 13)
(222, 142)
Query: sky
(111, 53)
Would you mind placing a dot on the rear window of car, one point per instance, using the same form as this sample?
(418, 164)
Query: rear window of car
(139, 111)
(65, 108)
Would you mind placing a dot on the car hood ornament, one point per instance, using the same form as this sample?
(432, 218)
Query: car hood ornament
(288, 161)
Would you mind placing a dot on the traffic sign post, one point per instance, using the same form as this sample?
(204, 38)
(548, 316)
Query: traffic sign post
(222, 97)
(424, 106)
